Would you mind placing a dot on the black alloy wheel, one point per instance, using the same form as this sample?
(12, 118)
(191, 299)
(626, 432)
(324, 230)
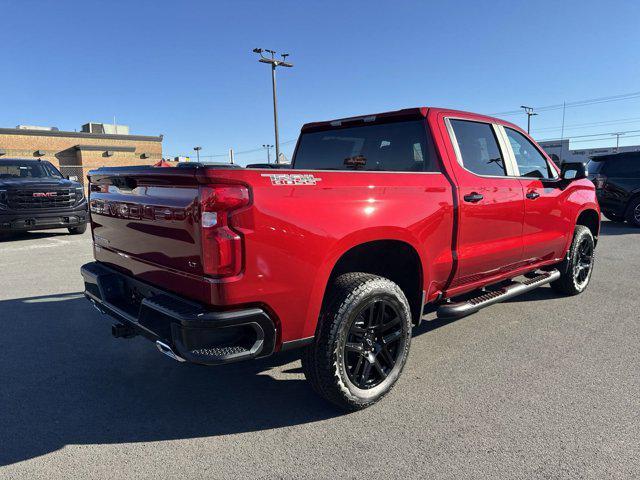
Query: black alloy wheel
(584, 262)
(373, 344)
(576, 269)
(362, 341)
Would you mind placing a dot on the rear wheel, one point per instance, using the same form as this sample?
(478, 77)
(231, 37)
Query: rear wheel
(362, 342)
(576, 269)
(633, 212)
(80, 229)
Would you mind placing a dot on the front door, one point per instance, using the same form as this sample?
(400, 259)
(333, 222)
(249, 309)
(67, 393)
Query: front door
(491, 203)
(546, 216)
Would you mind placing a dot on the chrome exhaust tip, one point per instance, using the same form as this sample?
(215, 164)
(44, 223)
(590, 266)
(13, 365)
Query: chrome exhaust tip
(166, 350)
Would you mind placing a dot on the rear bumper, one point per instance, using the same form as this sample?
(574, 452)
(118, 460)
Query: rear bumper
(191, 332)
(17, 221)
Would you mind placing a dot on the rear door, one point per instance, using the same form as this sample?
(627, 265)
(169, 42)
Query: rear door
(546, 216)
(490, 202)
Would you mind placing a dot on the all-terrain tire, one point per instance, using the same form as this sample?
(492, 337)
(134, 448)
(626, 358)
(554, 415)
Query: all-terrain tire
(325, 362)
(574, 276)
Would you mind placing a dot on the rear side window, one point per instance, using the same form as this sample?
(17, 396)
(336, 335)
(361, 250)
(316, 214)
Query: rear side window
(628, 168)
(399, 146)
(478, 147)
(530, 161)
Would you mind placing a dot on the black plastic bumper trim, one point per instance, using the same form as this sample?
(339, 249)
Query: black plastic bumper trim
(185, 326)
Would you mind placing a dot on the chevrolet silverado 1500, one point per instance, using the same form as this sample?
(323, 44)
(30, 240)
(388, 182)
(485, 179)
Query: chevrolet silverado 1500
(378, 218)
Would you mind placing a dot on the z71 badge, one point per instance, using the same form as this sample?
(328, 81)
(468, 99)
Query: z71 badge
(292, 178)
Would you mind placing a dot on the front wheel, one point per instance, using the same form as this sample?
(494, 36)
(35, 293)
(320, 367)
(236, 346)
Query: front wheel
(362, 341)
(633, 212)
(576, 269)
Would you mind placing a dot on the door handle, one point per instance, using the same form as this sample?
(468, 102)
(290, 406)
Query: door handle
(473, 197)
(533, 195)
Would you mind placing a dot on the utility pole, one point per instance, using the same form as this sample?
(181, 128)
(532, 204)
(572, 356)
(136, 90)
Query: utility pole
(268, 147)
(274, 64)
(617, 135)
(231, 156)
(197, 149)
(530, 113)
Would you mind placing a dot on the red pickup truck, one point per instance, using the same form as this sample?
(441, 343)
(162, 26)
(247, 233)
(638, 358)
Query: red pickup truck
(377, 218)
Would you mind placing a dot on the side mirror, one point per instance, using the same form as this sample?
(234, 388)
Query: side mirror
(573, 171)
(73, 178)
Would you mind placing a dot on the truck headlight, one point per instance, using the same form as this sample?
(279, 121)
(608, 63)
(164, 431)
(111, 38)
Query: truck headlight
(79, 194)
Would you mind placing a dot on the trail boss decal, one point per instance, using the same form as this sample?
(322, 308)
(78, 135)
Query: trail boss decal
(292, 178)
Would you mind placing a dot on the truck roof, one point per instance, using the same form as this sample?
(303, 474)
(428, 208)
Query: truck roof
(403, 114)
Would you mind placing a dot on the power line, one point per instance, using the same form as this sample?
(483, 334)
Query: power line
(577, 103)
(591, 135)
(592, 124)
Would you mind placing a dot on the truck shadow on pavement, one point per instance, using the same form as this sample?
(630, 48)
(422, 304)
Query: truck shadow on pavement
(64, 380)
(613, 228)
(16, 237)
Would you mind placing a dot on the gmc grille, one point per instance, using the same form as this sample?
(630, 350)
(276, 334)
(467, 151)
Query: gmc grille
(24, 199)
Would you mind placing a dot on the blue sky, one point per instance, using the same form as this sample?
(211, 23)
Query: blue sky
(185, 68)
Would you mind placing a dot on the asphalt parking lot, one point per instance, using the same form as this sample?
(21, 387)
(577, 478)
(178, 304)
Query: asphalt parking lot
(539, 387)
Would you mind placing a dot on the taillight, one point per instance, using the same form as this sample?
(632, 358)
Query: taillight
(598, 181)
(221, 244)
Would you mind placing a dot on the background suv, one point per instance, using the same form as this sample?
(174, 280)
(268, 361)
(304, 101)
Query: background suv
(617, 181)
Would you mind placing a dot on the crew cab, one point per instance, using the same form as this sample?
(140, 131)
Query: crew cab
(34, 195)
(377, 220)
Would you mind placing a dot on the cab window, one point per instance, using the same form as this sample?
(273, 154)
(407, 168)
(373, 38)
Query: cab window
(478, 148)
(530, 161)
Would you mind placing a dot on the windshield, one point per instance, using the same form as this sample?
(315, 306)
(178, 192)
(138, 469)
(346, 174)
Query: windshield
(594, 167)
(27, 169)
(398, 146)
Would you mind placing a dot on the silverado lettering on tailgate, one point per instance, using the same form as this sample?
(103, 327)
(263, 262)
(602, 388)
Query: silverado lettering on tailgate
(137, 211)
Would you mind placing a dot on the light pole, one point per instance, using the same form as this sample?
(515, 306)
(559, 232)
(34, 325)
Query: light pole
(274, 64)
(197, 149)
(530, 113)
(268, 147)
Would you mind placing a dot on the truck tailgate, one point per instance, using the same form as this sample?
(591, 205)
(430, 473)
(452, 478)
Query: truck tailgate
(146, 216)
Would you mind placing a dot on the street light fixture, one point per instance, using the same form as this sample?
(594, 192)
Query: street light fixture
(530, 113)
(274, 62)
(197, 149)
(268, 147)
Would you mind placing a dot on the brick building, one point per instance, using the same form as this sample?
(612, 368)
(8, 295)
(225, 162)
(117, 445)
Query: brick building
(75, 153)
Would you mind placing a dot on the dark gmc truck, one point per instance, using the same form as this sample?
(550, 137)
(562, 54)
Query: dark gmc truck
(34, 195)
(378, 219)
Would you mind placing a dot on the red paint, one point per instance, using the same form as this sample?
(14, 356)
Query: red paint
(293, 235)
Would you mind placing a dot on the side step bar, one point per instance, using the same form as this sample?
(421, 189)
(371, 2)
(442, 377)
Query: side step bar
(462, 309)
